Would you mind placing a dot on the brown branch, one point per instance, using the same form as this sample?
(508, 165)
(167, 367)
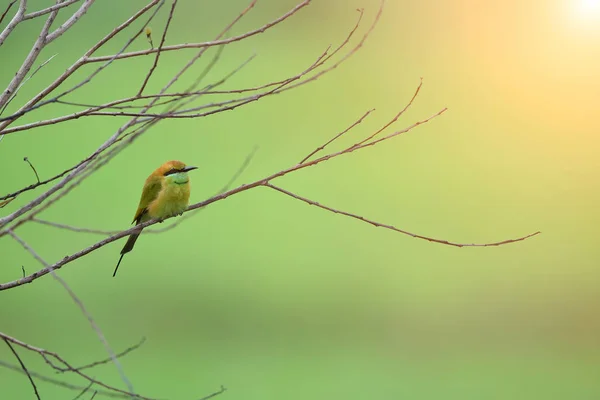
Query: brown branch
(36, 14)
(73, 228)
(79, 303)
(46, 355)
(222, 196)
(7, 10)
(13, 195)
(23, 367)
(14, 95)
(353, 51)
(60, 383)
(218, 392)
(70, 22)
(107, 360)
(160, 46)
(18, 18)
(33, 168)
(204, 44)
(177, 222)
(29, 60)
(82, 166)
(84, 391)
(393, 120)
(180, 114)
(393, 228)
(36, 103)
(358, 121)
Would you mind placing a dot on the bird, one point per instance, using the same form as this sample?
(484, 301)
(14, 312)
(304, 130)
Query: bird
(166, 193)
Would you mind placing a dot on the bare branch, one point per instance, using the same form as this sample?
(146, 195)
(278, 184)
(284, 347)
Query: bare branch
(33, 103)
(222, 196)
(29, 60)
(23, 367)
(14, 21)
(49, 9)
(358, 121)
(107, 360)
(33, 168)
(79, 303)
(70, 22)
(81, 167)
(203, 44)
(393, 228)
(393, 120)
(73, 228)
(350, 53)
(84, 391)
(160, 46)
(177, 222)
(24, 82)
(47, 355)
(63, 384)
(7, 10)
(218, 392)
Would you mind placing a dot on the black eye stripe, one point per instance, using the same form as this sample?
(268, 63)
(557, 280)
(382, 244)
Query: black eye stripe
(172, 171)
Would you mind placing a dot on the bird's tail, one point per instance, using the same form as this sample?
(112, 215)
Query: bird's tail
(127, 248)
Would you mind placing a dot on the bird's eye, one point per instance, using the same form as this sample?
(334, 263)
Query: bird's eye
(171, 171)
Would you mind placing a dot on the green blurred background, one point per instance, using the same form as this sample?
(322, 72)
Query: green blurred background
(278, 300)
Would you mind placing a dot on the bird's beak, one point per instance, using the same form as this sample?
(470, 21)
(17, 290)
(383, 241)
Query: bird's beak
(189, 168)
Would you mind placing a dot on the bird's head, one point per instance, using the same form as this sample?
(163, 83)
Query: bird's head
(175, 172)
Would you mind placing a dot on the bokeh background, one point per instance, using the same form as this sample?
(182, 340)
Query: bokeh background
(276, 299)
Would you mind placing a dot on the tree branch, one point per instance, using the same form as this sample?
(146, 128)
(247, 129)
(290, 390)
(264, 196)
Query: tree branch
(79, 303)
(160, 46)
(261, 182)
(14, 21)
(49, 9)
(24, 368)
(248, 34)
(70, 22)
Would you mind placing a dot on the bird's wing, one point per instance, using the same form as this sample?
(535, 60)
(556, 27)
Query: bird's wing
(151, 190)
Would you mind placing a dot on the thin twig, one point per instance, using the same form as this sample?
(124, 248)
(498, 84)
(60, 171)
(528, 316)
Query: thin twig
(73, 228)
(177, 222)
(239, 189)
(46, 355)
(7, 10)
(60, 383)
(160, 46)
(79, 303)
(23, 367)
(84, 391)
(36, 103)
(393, 120)
(25, 81)
(218, 392)
(18, 17)
(204, 44)
(83, 166)
(107, 360)
(70, 22)
(358, 121)
(36, 14)
(33, 168)
(35, 51)
(393, 228)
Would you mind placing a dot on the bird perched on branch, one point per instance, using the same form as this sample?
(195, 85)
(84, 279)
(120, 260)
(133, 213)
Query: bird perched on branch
(166, 193)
